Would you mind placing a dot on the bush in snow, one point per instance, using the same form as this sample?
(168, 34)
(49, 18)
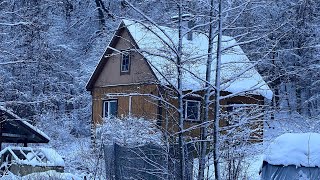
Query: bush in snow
(129, 131)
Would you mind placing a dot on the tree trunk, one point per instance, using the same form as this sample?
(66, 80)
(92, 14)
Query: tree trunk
(204, 128)
(180, 97)
(100, 13)
(217, 100)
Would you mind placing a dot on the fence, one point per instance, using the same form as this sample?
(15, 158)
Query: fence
(146, 162)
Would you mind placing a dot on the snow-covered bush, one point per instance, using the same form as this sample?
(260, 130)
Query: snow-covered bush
(129, 131)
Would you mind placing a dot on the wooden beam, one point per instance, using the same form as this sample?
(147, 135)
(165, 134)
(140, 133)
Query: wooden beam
(1, 127)
(13, 135)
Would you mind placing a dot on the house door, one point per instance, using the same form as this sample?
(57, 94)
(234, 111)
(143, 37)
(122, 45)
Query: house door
(110, 108)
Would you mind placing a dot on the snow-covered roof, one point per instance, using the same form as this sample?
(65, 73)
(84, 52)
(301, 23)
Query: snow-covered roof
(17, 119)
(33, 156)
(237, 73)
(299, 149)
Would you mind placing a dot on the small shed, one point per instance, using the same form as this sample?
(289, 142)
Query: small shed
(26, 160)
(292, 156)
(14, 129)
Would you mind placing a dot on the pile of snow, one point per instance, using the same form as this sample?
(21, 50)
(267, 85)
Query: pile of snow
(34, 156)
(129, 131)
(299, 149)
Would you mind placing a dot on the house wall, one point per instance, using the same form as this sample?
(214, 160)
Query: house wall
(141, 106)
(148, 108)
(255, 126)
(139, 69)
(170, 115)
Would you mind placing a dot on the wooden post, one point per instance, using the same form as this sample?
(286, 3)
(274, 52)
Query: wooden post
(1, 124)
(1, 134)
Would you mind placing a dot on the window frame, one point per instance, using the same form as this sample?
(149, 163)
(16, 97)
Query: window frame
(185, 110)
(103, 107)
(125, 53)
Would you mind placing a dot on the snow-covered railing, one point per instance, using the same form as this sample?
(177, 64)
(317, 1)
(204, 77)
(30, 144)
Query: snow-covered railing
(32, 156)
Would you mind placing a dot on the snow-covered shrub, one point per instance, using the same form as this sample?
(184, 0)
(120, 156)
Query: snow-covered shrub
(129, 131)
(75, 148)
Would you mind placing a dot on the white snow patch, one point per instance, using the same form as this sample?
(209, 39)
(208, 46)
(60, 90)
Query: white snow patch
(129, 131)
(300, 149)
(43, 175)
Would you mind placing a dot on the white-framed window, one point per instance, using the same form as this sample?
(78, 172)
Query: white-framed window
(125, 62)
(110, 108)
(191, 110)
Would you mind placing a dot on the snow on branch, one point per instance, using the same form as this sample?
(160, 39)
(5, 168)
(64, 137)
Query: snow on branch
(129, 131)
(15, 24)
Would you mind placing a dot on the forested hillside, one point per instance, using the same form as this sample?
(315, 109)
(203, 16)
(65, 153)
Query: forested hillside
(49, 50)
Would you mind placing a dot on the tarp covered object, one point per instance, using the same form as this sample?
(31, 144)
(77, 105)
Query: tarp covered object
(291, 172)
(292, 156)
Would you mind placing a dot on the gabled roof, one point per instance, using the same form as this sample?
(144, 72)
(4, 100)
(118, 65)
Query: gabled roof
(16, 130)
(156, 44)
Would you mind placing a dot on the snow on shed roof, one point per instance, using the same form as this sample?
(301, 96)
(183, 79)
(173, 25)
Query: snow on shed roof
(299, 149)
(17, 119)
(33, 156)
(237, 71)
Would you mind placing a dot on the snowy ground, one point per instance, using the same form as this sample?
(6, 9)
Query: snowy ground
(43, 175)
(80, 162)
(284, 124)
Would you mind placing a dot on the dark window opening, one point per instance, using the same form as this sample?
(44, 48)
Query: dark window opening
(125, 62)
(191, 110)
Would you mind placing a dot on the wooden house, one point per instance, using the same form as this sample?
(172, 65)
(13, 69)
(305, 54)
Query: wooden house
(137, 76)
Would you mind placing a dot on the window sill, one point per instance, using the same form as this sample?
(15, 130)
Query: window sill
(124, 73)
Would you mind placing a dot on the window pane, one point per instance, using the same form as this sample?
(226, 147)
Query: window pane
(105, 113)
(113, 108)
(192, 110)
(184, 109)
(125, 62)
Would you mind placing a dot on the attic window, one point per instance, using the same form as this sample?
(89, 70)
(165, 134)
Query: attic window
(125, 62)
(191, 110)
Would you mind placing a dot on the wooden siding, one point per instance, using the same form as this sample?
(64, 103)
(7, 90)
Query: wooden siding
(140, 72)
(148, 108)
(141, 106)
(170, 116)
